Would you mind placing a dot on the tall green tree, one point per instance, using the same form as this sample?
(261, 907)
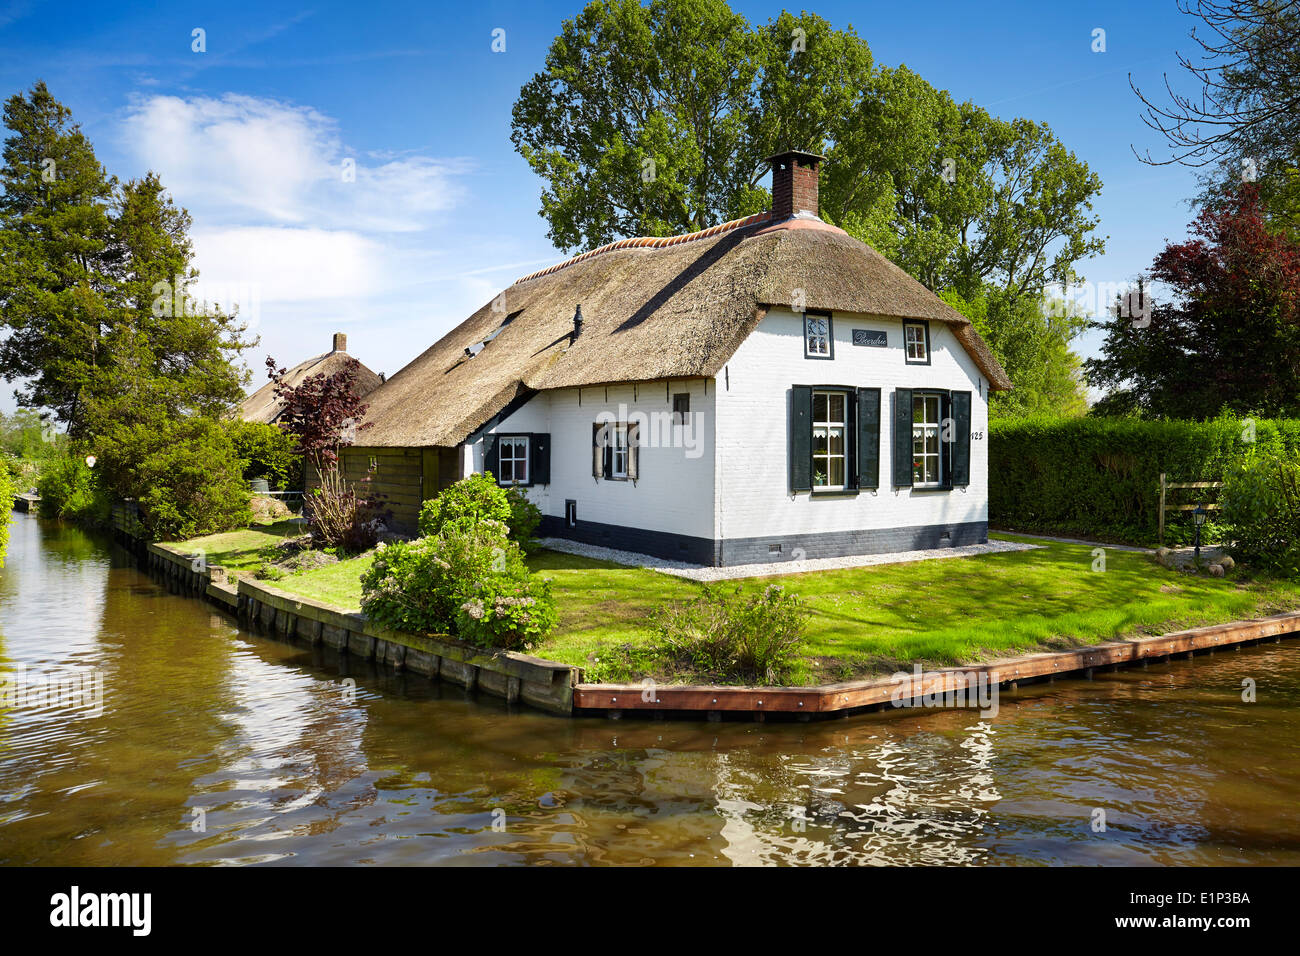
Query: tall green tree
(1031, 339)
(95, 280)
(957, 197)
(162, 348)
(95, 283)
(56, 256)
(637, 118)
(658, 119)
(1240, 119)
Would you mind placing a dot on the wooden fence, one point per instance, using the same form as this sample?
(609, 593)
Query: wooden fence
(1167, 486)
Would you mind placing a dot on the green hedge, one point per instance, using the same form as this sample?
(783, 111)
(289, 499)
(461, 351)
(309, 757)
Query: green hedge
(1099, 477)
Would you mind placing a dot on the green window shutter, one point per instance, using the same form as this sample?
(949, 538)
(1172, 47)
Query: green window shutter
(597, 451)
(902, 438)
(868, 438)
(960, 452)
(539, 453)
(491, 455)
(801, 438)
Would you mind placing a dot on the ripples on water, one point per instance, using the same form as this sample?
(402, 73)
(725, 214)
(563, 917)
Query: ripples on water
(216, 746)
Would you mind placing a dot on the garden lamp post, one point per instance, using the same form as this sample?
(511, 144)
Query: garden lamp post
(1198, 519)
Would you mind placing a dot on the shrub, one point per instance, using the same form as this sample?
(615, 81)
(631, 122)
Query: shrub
(7, 491)
(524, 518)
(269, 572)
(479, 497)
(509, 610)
(267, 452)
(339, 517)
(1261, 513)
(1100, 477)
(475, 498)
(420, 585)
(184, 474)
(470, 580)
(757, 640)
(69, 488)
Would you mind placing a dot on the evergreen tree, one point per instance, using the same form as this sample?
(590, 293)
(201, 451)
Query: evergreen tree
(56, 257)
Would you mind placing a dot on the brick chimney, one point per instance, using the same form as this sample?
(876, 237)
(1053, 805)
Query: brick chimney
(794, 184)
(341, 341)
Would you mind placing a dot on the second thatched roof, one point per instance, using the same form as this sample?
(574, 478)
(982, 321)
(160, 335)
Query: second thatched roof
(262, 405)
(653, 309)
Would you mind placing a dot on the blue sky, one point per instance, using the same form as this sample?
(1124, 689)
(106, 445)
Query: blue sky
(251, 136)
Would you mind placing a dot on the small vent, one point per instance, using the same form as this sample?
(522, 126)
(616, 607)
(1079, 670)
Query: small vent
(773, 549)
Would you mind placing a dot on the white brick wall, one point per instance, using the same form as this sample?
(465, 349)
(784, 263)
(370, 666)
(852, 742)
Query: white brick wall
(748, 405)
(675, 490)
(753, 488)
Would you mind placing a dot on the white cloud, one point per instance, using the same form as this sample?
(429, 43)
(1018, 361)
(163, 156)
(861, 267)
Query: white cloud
(303, 252)
(242, 158)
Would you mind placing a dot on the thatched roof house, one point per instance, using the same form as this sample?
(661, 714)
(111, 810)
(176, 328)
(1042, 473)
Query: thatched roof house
(262, 406)
(652, 309)
(712, 331)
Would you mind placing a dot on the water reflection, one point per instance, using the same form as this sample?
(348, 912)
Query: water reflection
(217, 746)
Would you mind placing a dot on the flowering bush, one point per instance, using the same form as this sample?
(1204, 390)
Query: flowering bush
(469, 580)
(524, 518)
(510, 611)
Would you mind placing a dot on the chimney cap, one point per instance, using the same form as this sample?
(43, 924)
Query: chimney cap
(795, 154)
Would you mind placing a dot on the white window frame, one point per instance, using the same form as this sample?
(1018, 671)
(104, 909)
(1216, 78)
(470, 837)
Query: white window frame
(922, 429)
(824, 334)
(618, 450)
(515, 442)
(921, 339)
(827, 423)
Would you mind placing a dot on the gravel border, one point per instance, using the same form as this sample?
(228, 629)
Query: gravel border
(696, 572)
(1096, 544)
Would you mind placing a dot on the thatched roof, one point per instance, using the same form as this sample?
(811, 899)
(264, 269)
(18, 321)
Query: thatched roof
(262, 406)
(652, 309)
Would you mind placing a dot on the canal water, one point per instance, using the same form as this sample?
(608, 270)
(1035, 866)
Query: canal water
(171, 735)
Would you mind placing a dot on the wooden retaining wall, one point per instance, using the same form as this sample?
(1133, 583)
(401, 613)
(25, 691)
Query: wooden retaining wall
(545, 685)
(841, 699)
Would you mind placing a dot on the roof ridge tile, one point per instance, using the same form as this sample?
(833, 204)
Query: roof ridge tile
(653, 242)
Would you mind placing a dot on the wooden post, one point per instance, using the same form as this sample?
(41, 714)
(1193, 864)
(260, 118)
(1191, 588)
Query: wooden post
(1162, 509)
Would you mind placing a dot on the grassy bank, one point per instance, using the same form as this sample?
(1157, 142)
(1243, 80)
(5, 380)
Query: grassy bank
(873, 620)
(240, 551)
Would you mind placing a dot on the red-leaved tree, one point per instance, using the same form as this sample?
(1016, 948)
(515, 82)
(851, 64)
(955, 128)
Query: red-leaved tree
(1229, 340)
(322, 411)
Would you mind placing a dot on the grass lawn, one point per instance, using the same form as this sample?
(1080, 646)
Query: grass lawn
(874, 620)
(238, 550)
